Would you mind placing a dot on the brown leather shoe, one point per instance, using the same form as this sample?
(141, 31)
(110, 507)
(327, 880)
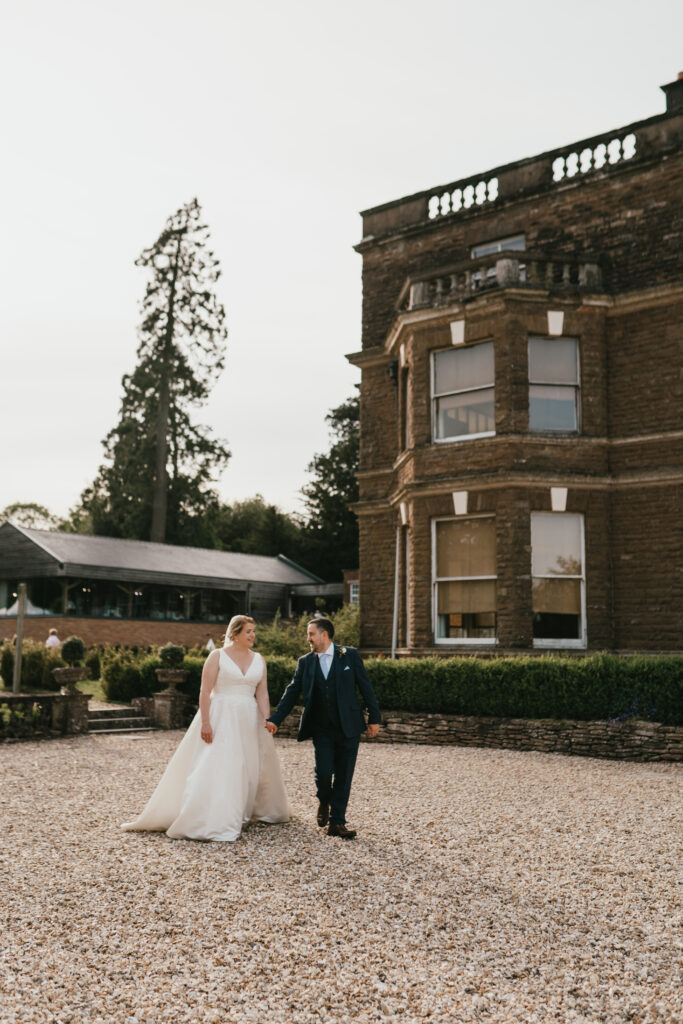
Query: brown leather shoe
(342, 831)
(323, 815)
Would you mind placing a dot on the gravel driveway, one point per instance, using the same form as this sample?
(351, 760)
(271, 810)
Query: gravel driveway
(485, 885)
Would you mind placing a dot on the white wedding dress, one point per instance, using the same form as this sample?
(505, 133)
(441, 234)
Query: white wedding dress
(209, 790)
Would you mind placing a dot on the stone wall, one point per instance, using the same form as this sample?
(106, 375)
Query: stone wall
(33, 716)
(631, 740)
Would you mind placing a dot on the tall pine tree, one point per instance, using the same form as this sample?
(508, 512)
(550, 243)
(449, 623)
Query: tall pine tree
(159, 465)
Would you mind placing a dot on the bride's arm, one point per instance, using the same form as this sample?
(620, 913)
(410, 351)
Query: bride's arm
(261, 693)
(209, 675)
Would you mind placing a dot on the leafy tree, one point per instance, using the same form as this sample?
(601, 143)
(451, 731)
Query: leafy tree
(254, 527)
(331, 531)
(159, 465)
(31, 515)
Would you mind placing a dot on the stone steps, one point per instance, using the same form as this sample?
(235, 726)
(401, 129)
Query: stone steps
(119, 720)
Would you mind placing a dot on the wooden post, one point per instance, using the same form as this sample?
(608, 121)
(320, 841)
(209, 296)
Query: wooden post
(21, 608)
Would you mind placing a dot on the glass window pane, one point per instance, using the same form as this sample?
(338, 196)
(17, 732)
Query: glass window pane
(468, 413)
(558, 596)
(457, 369)
(553, 361)
(555, 626)
(475, 596)
(517, 242)
(552, 408)
(555, 544)
(466, 547)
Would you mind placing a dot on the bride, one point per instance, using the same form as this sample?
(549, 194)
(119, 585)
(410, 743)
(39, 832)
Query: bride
(226, 770)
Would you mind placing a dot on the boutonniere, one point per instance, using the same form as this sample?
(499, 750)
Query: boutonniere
(341, 651)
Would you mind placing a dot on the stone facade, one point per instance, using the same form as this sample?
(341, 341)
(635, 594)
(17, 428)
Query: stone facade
(632, 740)
(590, 249)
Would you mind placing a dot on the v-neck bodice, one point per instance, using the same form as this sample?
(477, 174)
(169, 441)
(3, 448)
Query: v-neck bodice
(230, 675)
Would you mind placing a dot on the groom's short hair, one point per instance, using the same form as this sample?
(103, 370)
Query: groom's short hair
(323, 624)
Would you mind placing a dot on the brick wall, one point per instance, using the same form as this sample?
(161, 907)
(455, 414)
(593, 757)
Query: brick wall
(127, 632)
(623, 470)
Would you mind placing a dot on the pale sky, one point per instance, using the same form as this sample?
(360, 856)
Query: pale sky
(285, 118)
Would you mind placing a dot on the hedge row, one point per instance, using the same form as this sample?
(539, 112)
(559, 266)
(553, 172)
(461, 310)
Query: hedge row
(600, 686)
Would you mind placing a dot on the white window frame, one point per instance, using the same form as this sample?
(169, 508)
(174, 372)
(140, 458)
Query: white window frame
(461, 438)
(408, 602)
(354, 592)
(466, 641)
(581, 642)
(551, 383)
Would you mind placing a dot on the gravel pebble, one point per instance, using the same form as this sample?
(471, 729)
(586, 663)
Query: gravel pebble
(485, 885)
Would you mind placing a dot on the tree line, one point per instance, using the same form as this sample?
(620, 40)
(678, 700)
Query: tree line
(159, 470)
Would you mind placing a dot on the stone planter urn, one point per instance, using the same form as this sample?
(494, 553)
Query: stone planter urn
(68, 677)
(169, 704)
(171, 676)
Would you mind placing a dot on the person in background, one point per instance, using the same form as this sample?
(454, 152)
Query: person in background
(52, 640)
(209, 645)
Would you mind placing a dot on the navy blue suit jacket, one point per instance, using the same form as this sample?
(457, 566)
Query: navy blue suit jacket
(349, 673)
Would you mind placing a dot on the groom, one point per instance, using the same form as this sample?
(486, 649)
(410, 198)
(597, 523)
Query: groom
(332, 717)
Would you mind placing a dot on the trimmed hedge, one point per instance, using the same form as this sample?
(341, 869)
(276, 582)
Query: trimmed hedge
(599, 686)
(124, 677)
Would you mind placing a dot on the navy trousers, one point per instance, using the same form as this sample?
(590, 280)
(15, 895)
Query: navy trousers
(335, 760)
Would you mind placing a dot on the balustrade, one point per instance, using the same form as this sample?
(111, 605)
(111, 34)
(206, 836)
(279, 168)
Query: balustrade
(583, 159)
(594, 159)
(503, 270)
(463, 198)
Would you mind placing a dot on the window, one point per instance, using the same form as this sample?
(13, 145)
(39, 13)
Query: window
(487, 275)
(462, 389)
(557, 579)
(553, 384)
(517, 242)
(354, 593)
(464, 552)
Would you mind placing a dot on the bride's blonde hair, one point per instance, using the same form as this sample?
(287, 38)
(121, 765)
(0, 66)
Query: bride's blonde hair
(236, 625)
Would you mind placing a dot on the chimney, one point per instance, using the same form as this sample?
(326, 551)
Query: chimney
(674, 95)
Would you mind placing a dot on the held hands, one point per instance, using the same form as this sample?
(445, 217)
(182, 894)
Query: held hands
(207, 733)
(271, 727)
(372, 731)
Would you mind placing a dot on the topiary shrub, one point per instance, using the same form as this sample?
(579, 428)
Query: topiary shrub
(73, 650)
(171, 656)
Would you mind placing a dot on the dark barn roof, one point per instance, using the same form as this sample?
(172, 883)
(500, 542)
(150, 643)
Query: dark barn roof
(27, 552)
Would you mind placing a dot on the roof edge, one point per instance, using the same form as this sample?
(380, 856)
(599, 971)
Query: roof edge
(300, 568)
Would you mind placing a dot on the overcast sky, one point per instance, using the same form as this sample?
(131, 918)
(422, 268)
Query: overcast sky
(285, 118)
